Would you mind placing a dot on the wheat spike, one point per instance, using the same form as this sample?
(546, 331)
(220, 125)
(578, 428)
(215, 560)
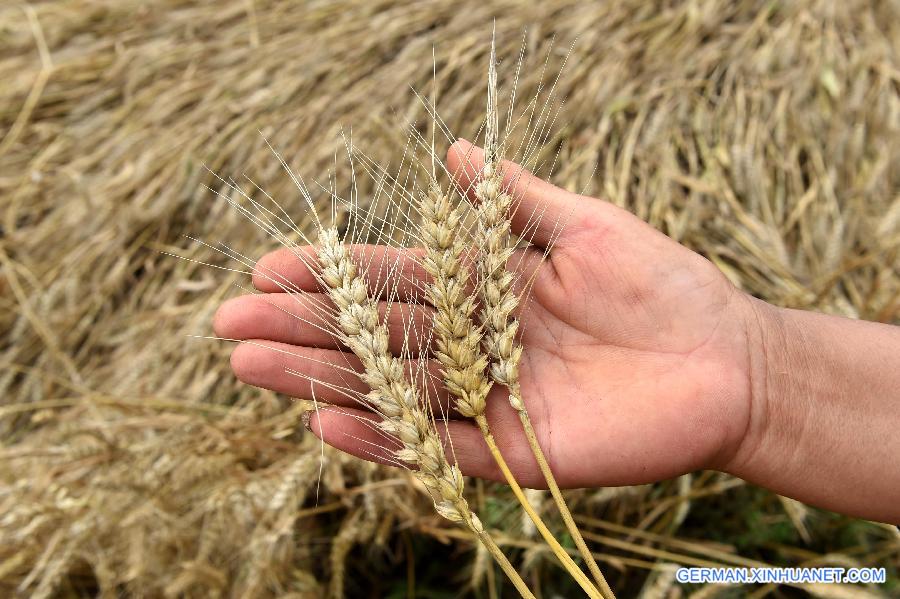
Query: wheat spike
(499, 301)
(392, 395)
(459, 340)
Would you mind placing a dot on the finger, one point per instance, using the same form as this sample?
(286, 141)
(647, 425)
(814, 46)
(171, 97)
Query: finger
(353, 431)
(307, 319)
(388, 271)
(540, 209)
(410, 278)
(327, 375)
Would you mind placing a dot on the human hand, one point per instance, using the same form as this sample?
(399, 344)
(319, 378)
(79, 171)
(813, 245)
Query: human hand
(636, 361)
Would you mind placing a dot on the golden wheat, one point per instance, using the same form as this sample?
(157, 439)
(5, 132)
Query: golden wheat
(459, 341)
(499, 302)
(732, 126)
(394, 397)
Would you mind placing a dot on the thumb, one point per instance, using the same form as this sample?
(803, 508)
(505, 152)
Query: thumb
(539, 209)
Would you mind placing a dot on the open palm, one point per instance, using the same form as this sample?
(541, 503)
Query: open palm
(635, 365)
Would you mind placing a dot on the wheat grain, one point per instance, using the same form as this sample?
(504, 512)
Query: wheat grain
(660, 582)
(356, 528)
(340, 546)
(535, 498)
(457, 338)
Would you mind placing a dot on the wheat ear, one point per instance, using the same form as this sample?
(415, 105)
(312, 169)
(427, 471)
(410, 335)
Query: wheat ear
(392, 395)
(499, 301)
(458, 342)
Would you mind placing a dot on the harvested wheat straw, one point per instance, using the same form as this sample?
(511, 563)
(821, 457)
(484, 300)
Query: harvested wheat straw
(764, 135)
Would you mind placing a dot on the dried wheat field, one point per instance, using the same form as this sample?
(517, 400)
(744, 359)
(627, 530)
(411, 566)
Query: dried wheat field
(764, 135)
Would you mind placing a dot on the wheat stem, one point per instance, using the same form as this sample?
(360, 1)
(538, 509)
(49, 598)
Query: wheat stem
(504, 564)
(561, 504)
(567, 562)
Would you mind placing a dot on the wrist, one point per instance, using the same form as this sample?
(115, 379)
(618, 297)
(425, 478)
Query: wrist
(766, 357)
(822, 414)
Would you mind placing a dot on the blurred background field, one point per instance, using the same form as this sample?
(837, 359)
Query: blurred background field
(765, 135)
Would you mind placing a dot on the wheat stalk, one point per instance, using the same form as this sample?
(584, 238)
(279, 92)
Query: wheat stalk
(499, 301)
(392, 395)
(458, 342)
